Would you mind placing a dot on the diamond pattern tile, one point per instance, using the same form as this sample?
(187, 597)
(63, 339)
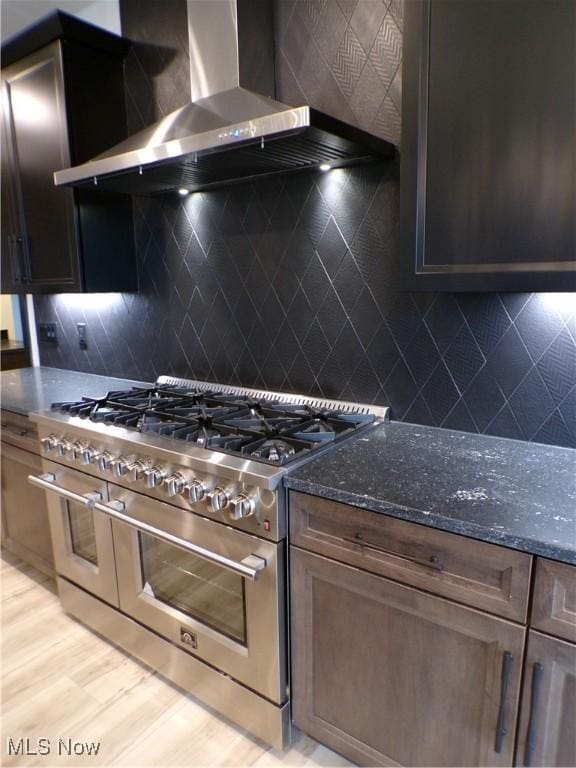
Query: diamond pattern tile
(292, 285)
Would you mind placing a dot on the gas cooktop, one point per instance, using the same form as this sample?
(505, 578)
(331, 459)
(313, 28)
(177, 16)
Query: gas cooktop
(263, 428)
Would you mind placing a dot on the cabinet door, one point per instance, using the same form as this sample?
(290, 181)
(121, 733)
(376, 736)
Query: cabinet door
(25, 526)
(38, 144)
(488, 151)
(547, 732)
(389, 675)
(11, 230)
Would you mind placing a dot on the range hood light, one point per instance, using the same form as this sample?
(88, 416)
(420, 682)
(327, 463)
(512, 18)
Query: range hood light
(182, 191)
(325, 167)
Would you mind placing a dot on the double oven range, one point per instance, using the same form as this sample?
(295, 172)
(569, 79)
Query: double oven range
(168, 521)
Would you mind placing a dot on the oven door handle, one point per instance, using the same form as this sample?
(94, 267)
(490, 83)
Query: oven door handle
(47, 482)
(249, 568)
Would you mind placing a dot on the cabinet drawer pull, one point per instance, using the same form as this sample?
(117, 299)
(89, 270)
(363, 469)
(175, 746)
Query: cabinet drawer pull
(501, 725)
(433, 561)
(537, 673)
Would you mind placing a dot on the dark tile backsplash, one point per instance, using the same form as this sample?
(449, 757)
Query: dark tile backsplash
(291, 284)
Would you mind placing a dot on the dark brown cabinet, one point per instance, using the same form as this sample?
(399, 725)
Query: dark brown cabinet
(408, 643)
(62, 103)
(25, 526)
(547, 732)
(390, 675)
(488, 166)
(385, 669)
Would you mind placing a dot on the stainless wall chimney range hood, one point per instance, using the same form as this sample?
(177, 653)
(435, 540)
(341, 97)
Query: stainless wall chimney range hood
(232, 130)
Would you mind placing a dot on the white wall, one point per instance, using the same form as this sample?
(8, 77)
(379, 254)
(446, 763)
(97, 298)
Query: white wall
(103, 13)
(10, 317)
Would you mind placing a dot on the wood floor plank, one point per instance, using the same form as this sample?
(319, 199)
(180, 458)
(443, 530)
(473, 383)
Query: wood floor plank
(61, 681)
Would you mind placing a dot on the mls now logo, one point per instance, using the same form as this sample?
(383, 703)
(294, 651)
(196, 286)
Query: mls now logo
(44, 746)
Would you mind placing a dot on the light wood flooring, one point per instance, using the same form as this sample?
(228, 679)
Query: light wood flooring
(61, 681)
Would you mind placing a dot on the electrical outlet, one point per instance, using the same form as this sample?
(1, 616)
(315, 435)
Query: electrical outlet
(81, 330)
(47, 332)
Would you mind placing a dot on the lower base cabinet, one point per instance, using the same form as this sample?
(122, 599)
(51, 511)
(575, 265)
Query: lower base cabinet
(25, 527)
(548, 716)
(389, 675)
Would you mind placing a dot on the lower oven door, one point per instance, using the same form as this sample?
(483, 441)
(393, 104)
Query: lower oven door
(81, 536)
(212, 590)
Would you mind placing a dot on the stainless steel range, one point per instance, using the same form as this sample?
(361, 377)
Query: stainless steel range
(168, 520)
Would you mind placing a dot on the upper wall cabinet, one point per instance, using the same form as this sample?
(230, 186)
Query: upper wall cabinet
(62, 103)
(488, 145)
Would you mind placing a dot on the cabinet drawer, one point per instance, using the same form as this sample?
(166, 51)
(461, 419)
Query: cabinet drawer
(18, 430)
(554, 607)
(482, 575)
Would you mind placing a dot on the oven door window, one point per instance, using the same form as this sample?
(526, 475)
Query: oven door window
(82, 533)
(202, 590)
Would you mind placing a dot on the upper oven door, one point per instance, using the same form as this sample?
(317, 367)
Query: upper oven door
(81, 536)
(212, 590)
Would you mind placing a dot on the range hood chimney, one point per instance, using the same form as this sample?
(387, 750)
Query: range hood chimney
(233, 129)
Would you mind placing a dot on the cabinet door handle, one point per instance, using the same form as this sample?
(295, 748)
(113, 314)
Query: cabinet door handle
(22, 257)
(14, 263)
(501, 725)
(433, 562)
(537, 674)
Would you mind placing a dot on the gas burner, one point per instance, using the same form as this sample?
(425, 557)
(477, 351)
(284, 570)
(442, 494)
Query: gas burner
(203, 435)
(276, 451)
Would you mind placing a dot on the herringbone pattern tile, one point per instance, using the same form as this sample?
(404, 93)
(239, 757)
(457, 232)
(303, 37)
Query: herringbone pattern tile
(349, 62)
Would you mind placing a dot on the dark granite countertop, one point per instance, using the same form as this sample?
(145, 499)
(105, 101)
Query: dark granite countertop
(516, 494)
(34, 389)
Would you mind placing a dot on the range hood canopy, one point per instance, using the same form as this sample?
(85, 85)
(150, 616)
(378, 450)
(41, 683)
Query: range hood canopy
(232, 130)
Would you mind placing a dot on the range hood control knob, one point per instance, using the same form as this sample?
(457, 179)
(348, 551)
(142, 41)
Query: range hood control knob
(89, 454)
(62, 447)
(105, 461)
(174, 484)
(195, 491)
(136, 471)
(154, 477)
(217, 499)
(49, 443)
(241, 506)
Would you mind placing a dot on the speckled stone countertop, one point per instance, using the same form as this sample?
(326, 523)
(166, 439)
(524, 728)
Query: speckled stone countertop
(516, 494)
(34, 389)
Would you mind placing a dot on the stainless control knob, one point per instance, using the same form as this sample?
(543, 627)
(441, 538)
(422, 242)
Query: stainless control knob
(121, 466)
(195, 491)
(241, 506)
(49, 443)
(155, 476)
(89, 454)
(76, 450)
(217, 499)
(174, 484)
(63, 447)
(136, 471)
(105, 461)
